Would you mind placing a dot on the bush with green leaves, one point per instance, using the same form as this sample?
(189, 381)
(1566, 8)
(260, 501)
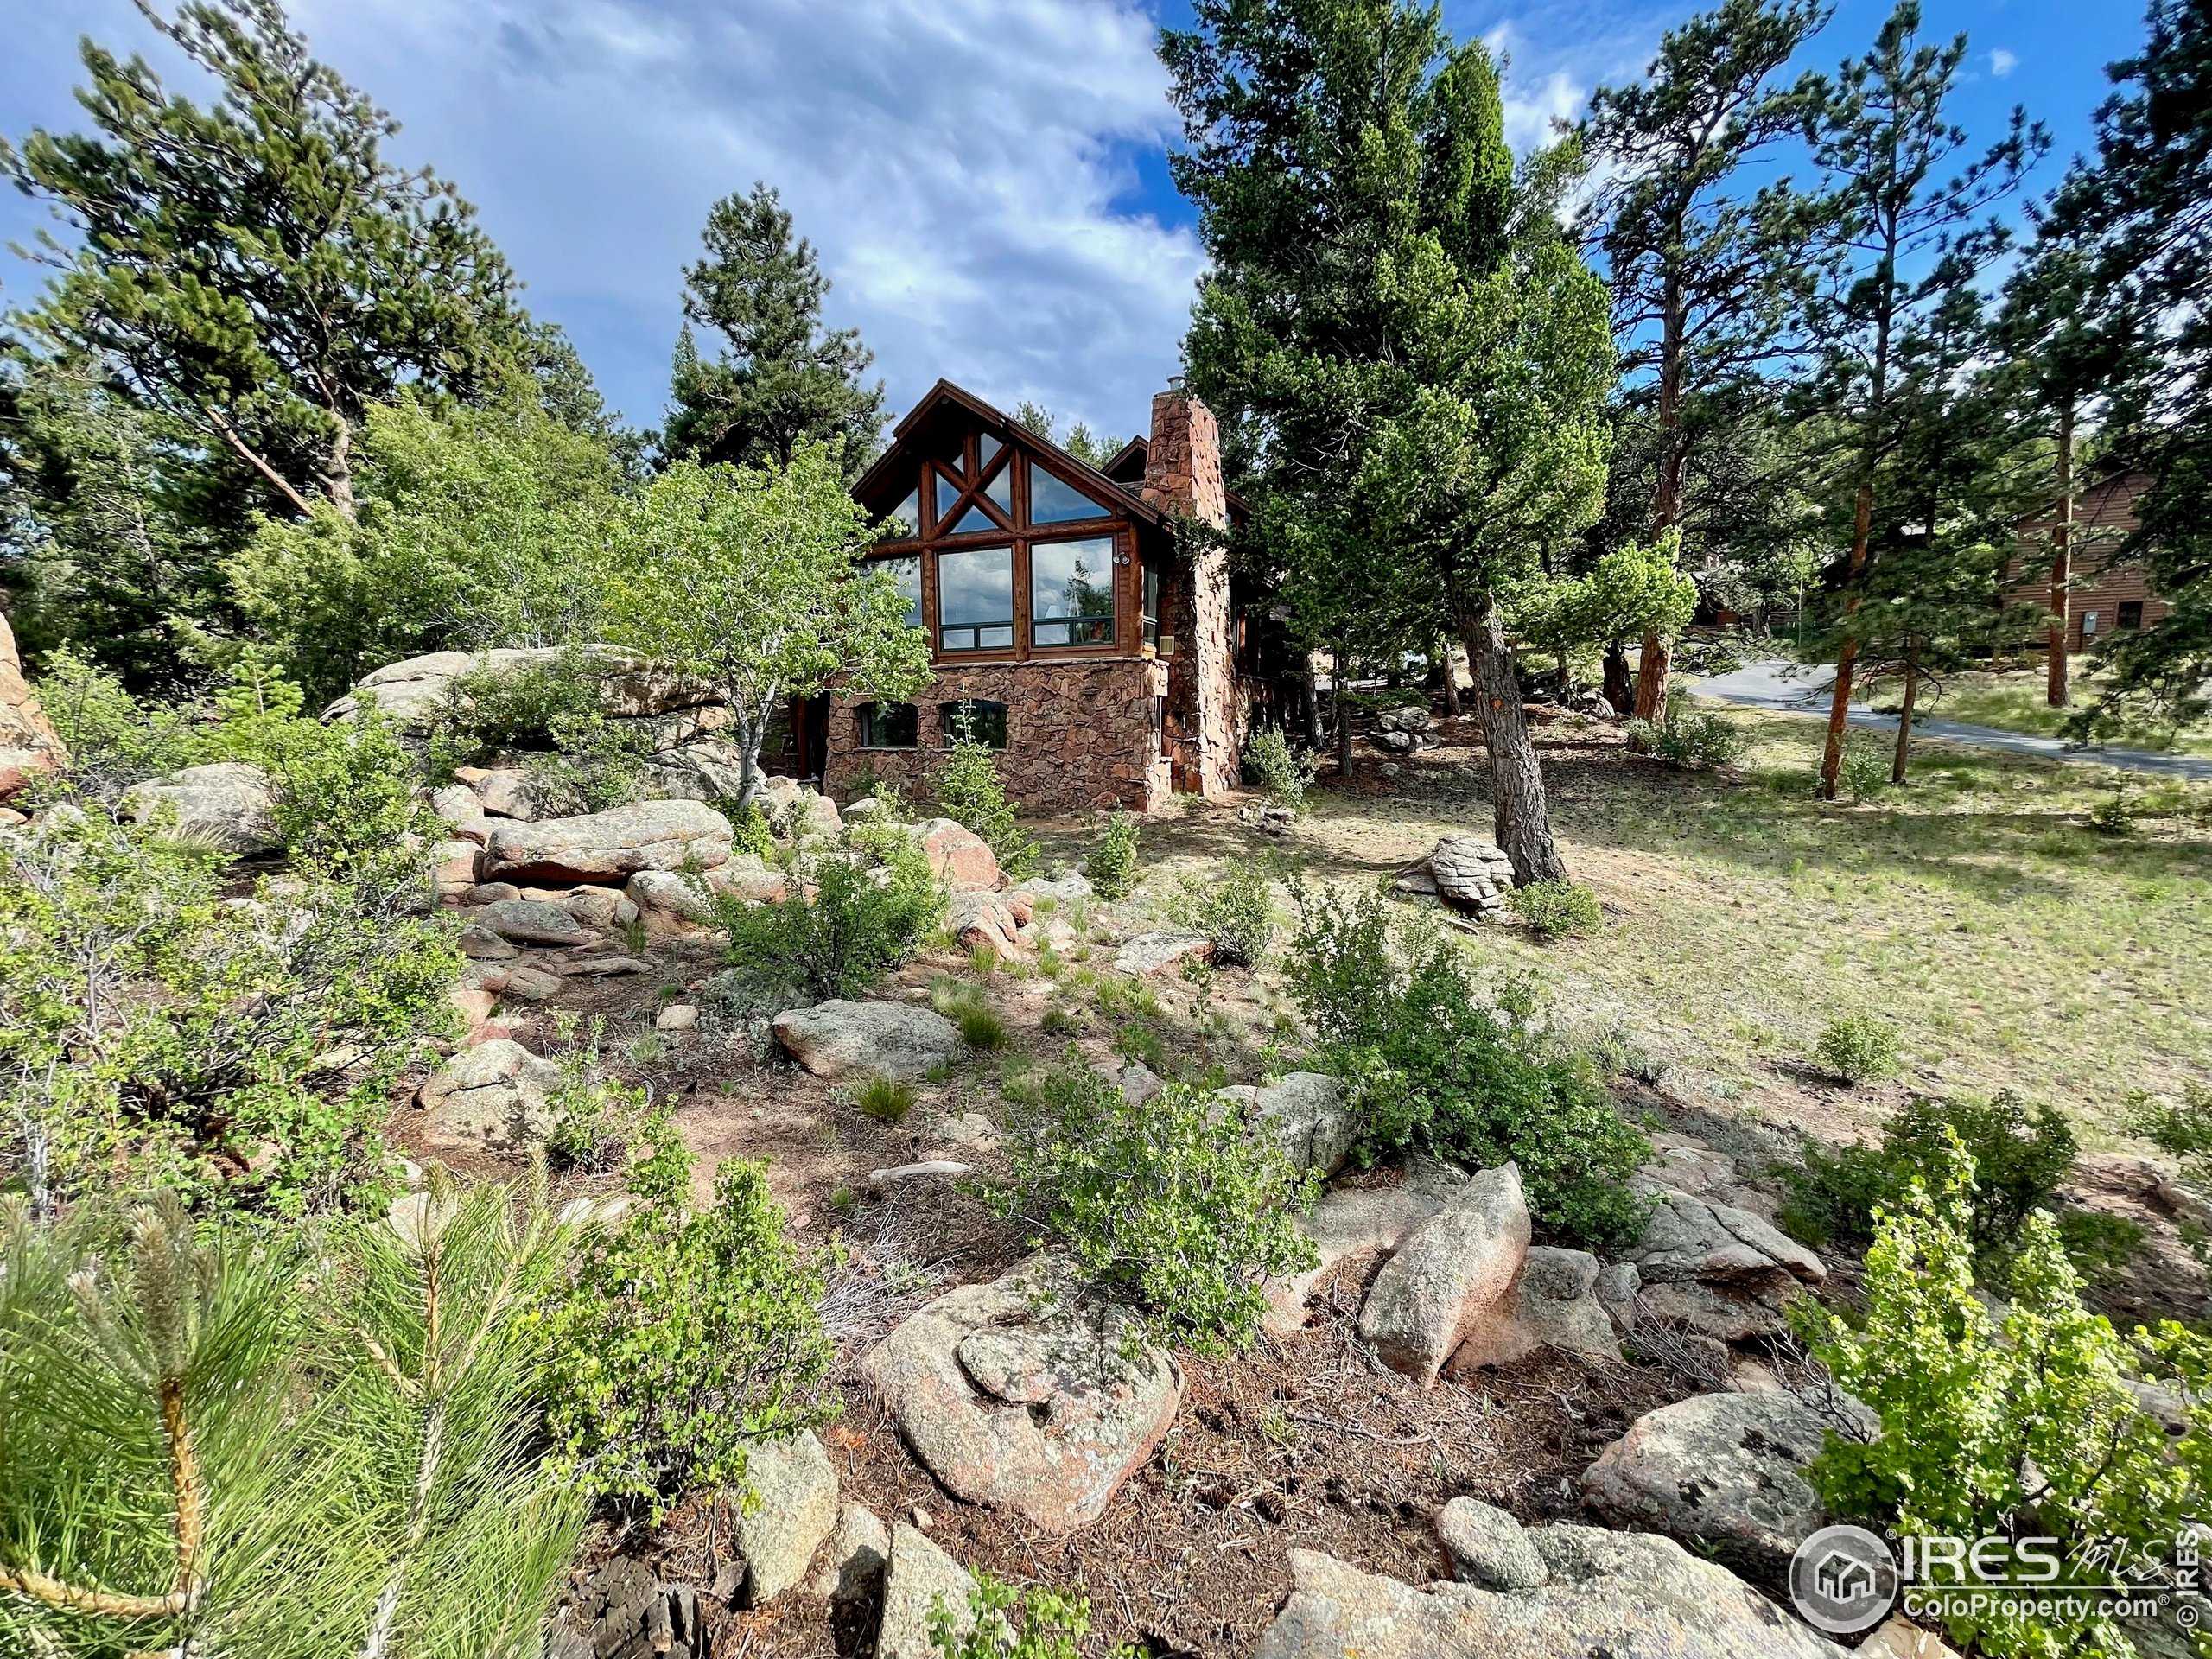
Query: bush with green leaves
(969, 791)
(1003, 1621)
(113, 741)
(1282, 772)
(1429, 1068)
(597, 1118)
(750, 834)
(1864, 770)
(238, 1052)
(876, 899)
(553, 712)
(1858, 1048)
(1558, 910)
(1174, 1208)
(2020, 1152)
(1689, 737)
(1111, 864)
(289, 1444)
(684, 1336)
(2006, 1423)
(1235, 911)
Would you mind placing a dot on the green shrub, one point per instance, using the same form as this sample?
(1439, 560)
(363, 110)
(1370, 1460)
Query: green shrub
(684, 1336)
(2183, 1129)
(159, 1035)
(1689, 737)
(597, 1119)
(1272, 765)
(2006, 1427)
(967, 1008)
(1003, 1622)
(555, 712)
(1864, 770)
(969, 791)
(2020, 1154)
(1171, 1208)
(750, 835)
(1858, 1048)
(1112, 864)
(114, 742)
(1555, 910)
(876, 899)
(884, 1099)
(2101, 1246)
(1428, 1068)
(1235, 911)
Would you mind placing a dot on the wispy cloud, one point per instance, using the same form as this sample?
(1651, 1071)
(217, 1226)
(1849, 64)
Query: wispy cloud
(2002, 63)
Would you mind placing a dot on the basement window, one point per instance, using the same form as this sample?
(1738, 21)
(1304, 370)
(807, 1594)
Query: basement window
(983, 721)
(890, 725)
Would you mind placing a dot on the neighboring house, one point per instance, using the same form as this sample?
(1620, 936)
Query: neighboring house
(2104, 599)
(1076, 620)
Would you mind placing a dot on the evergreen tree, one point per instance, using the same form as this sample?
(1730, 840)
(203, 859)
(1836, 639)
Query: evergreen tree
(1081, 441)
(2146, 202)
(1404, 351)
(1702, 279)
(783, 378)
(1903, 231)
(256, 270)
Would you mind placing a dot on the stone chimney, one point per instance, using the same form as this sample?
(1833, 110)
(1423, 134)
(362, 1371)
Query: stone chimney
(1182, 463)
(1182, 478)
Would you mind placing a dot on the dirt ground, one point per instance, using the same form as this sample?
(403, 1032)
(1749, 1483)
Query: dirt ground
(1302, 1443)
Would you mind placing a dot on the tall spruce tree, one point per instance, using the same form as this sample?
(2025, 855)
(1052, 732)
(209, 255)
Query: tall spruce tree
(255, 270)
(783, 378)
(2145, 205)
(1904, 229)
(1702, 277)
(1400, 343)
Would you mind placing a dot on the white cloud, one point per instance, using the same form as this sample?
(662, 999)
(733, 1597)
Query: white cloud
(2002, 63)
(960, 169)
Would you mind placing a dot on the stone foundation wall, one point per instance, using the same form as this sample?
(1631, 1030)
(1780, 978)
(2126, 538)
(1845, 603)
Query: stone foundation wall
(1079, 734)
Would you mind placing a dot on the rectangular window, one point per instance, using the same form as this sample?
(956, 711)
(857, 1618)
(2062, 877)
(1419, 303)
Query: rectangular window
(1071, 593)
(974, 600)
(2130, 613)
(1151, 606)
(977, 718)
(907, 571)
(890, 725)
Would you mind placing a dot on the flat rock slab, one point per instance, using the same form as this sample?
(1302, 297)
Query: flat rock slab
(1148, 953)
(918, 1576)
(838, 1039)
(228, 804)
(1626, 1595)
(528, 921)
(1723, 1473)
(610, 846)
(1722, 1271)
(1022, 1411)
(1448, 1272)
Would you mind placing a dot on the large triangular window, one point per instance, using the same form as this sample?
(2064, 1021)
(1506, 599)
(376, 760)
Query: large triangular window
(974, 518)
(1052, 502)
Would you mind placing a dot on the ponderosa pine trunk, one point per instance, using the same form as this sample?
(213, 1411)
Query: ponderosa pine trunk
(1619, 690)
(2057, 690)
(1520, 820)
(1344, 715)
(1442, 656)
(1846, 656)
(1904, 714)
(1654, 658)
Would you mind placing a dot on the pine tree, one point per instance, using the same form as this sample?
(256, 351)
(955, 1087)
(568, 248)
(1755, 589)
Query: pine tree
(1903, 228)
(257, 271)
(1408, 355)
(783, 378)
(1702, 279)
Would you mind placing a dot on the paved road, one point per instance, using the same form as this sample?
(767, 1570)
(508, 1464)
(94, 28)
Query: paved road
(1798, 689)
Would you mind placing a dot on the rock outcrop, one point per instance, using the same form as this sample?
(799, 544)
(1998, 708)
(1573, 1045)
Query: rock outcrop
(1723, 1272)
(406, 693)
(226, 803)
(916, 1578)
(958, 854)
(1305, 1114)
(1348, 1223)
(492, 1095)
(1626, 1595)
(1463, 873)
(608, 847)
(838, 1039)
(791, 1506)
(1023, 1409)
(1553, 1305)
(29, 743)
(1148, 953)
(1448, 1272)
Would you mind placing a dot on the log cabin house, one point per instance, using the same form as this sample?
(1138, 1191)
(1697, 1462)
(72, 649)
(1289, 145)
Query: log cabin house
(1079, 617)
(2104, 598)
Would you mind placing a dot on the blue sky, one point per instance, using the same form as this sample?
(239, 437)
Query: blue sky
(986, 181)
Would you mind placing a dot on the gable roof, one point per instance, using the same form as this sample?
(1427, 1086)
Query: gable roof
(894, 468)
